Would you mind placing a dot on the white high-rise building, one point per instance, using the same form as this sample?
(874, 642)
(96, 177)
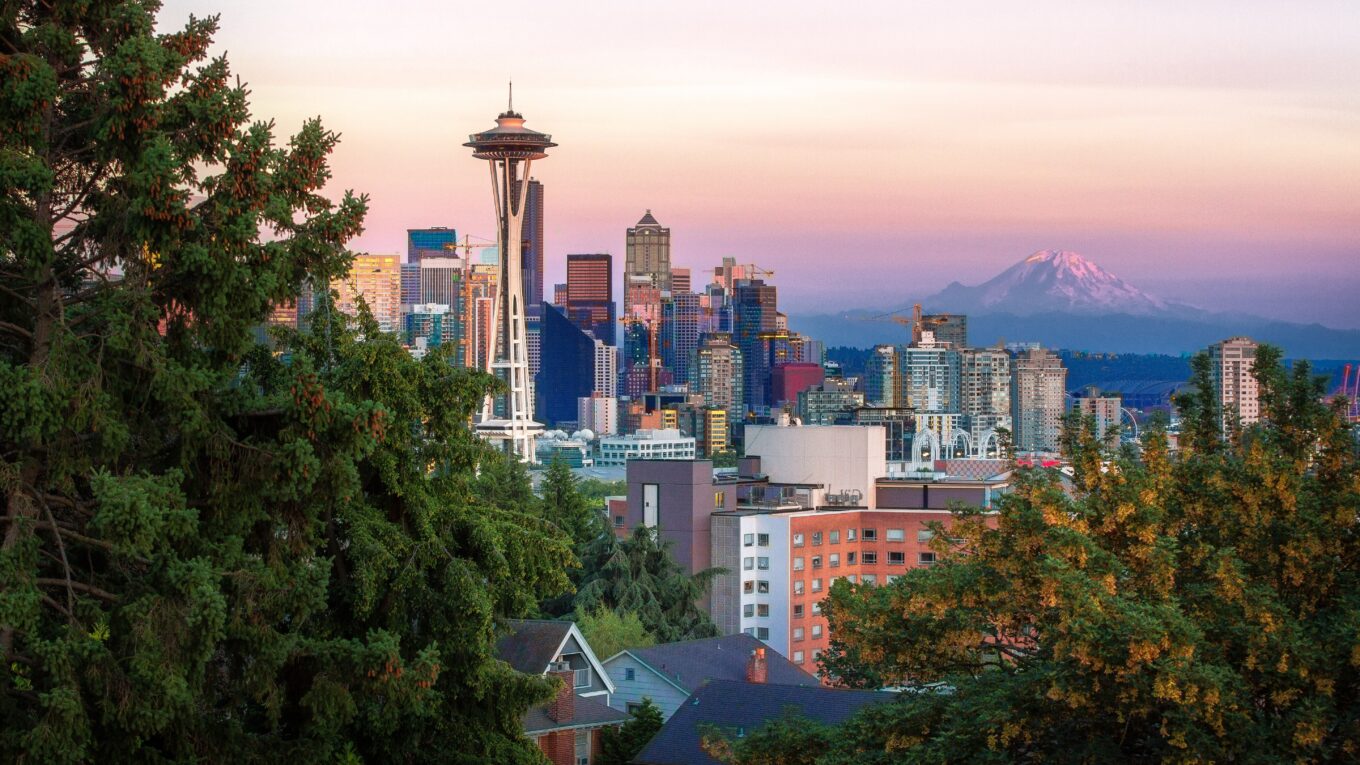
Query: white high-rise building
(1239, 396)
(1038, 398)
(599, 414)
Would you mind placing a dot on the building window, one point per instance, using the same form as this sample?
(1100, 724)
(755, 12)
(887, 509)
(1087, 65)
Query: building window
(849, 535)
(763, 540)
(719, 500)
(925, 558)
(834, 537)
(817, 608)
(816, 631)
(890, 578)
(850, 578)
(748, 586)
(869, 557)
(870, 535)
(869, 579)
(798, 564)
(763, 633)
(798, 587)
(895, 535)
(629, 674)
(762, 609)
(850, 558)
(582, 747)
(632, 707)
(816, 653)
(816, 538)
(924, 535)
(763, 563)
(750, 631)
(581, 678)
(651, 498)
(896, 558)
(797, 540)
(748, 563)
(816, 585)
(748, 610)
(798, 611)
(816, 561)
(748, 539)
(834, 559)
(763, 587)
(797, 657)
(618, 521)
(797, 633)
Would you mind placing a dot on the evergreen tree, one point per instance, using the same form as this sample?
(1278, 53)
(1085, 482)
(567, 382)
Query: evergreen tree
(210, 551)
(1200, 607)
(618, 746)
(639, 575)
(563, 505)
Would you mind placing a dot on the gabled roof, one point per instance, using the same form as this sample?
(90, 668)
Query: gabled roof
(587, 713)
(727, 705)
(532, 644)
(691, 663)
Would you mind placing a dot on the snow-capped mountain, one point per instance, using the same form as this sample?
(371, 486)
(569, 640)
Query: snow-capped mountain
(1053, 281)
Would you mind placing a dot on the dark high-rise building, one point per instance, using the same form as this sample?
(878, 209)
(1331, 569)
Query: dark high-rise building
(410, 283)
(753, 315)
(434, 242)
(533, 245)
(590, 294)
(679, 333)
(566, 369)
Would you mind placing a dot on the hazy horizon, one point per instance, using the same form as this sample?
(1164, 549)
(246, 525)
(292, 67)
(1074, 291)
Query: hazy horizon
(888, 152)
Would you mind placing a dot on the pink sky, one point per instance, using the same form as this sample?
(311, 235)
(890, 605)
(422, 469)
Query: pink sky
(864, 151)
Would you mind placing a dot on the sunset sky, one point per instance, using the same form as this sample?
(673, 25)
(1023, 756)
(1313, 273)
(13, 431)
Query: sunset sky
(866, 152)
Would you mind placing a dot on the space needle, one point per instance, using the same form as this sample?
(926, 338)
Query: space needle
(510, 148)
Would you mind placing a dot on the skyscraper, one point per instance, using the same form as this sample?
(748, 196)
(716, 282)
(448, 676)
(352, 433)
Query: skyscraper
(434, 242)
(1104, 410)
(717, 374)
(880, 377)
(1238, 394)
(378, 279)
(1038, 395)
(510, 148)
(754, 314)
(948, 328)
(985, 390)
(590, 294)
(680, 280)
(679, 333)
(928, 378)
(647, 254)
(441, 280)
(568, 369)
(533, 244)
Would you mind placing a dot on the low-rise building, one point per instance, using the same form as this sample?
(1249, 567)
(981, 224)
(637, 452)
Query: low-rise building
(663, 444)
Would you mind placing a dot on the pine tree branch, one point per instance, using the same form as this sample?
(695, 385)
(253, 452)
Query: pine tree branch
(15, 329)
(88, 589)
(65, 562)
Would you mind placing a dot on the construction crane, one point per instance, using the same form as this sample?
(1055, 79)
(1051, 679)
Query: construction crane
(896, 317)
(747, 271)
(467, 245)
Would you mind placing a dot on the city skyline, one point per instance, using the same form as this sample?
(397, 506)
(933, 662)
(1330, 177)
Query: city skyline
(1163, 144)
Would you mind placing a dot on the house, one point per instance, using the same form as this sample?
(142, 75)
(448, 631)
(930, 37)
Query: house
(670, 673)
(567, 728)
(739, 708)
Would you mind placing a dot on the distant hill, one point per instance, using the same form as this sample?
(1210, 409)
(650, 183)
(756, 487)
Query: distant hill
(1063, 300)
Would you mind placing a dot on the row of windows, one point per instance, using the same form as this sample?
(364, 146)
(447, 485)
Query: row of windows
(816, 632)
(762, 540)
(761, 633)
(798, 656)
(760, 563)
(798, 588)
(867, 535)
(751, 586)
(758, 609)
(867, 557)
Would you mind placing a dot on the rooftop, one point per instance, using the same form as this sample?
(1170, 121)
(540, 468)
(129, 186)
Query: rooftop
(691, 663)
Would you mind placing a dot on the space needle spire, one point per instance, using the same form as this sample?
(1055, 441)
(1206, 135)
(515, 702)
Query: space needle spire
(509, 149)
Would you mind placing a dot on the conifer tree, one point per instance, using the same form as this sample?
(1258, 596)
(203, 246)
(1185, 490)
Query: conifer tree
(210, 550)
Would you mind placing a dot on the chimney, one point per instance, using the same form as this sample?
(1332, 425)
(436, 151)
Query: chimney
(563, 706)
(757, 671)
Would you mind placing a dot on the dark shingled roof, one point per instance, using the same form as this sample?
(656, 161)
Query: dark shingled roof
(691, 663)
(587, 713)
(727, 705)
(531, 644)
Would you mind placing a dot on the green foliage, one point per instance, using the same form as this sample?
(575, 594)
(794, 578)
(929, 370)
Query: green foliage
(618, 746)
(639, 575)
(213, 551)
(725, 459)
(609, 632)
(563, 505)
(594, 491)
(1193, 607)
(788, 740)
